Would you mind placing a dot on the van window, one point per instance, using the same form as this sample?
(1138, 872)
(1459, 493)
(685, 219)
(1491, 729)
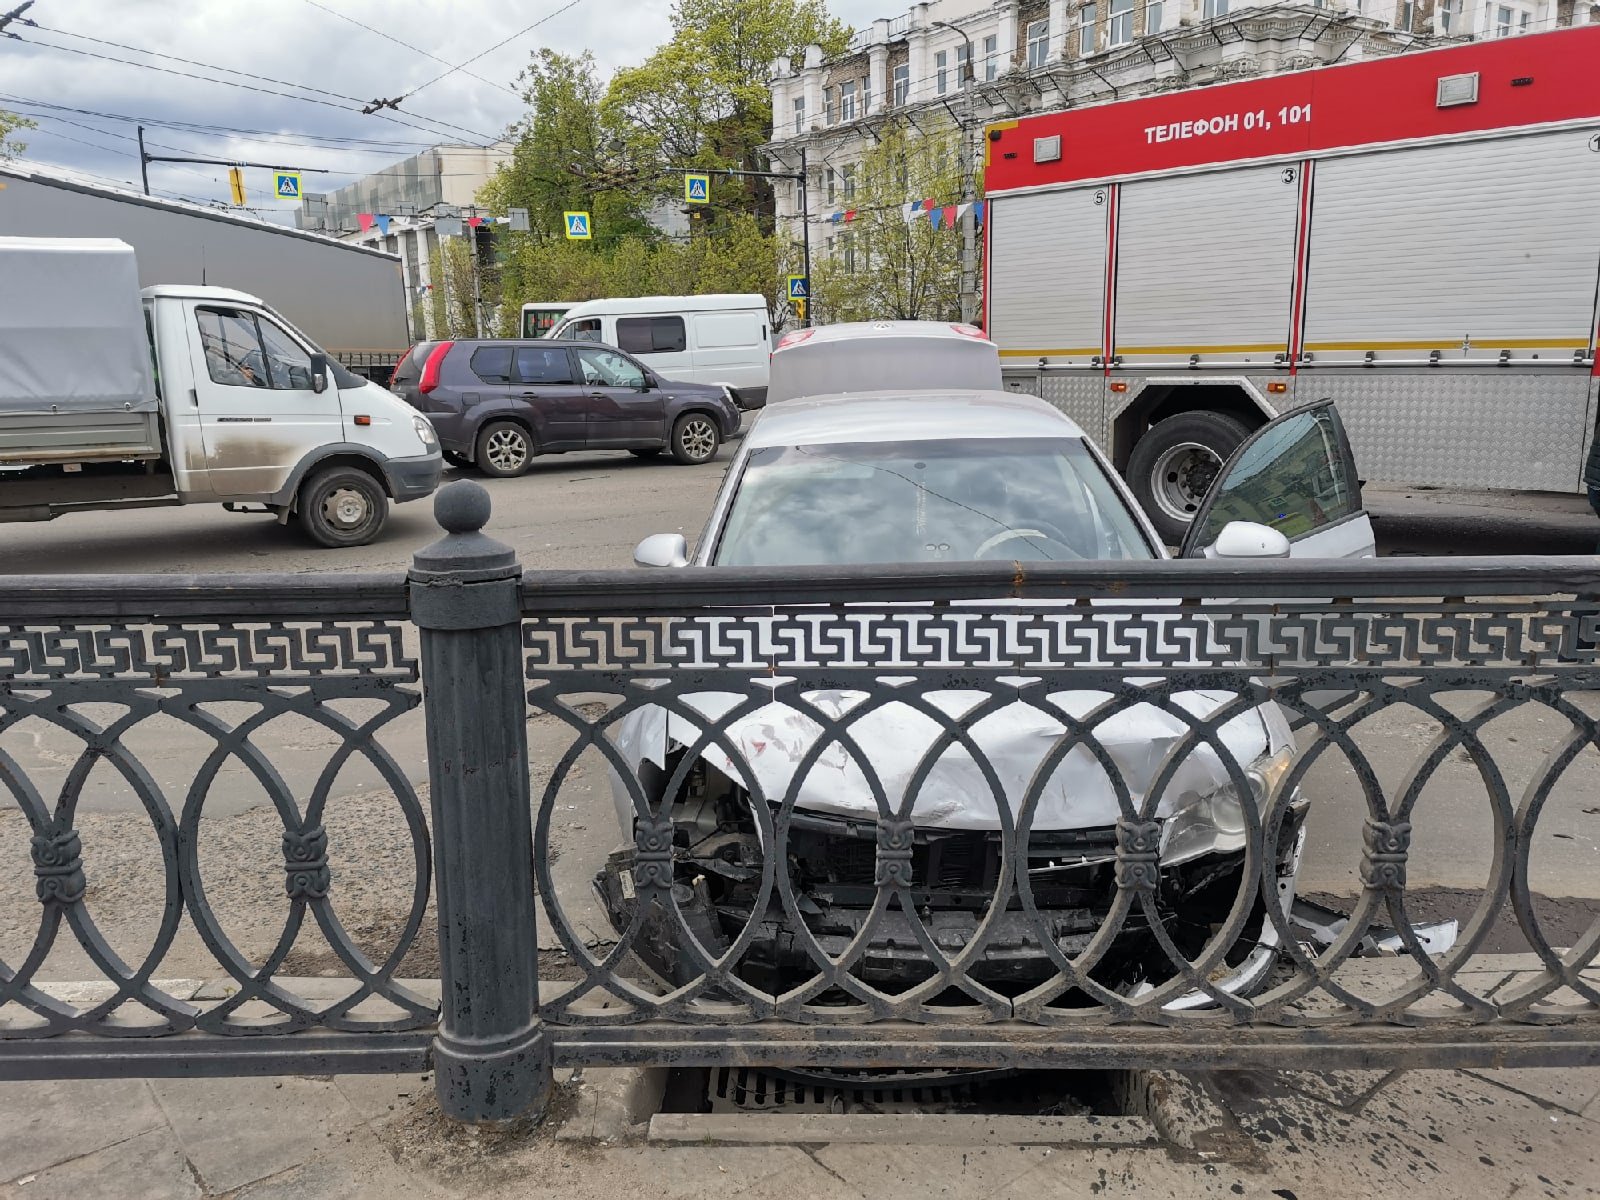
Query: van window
(587, 330)
(543, 364)
(651, 335)
(492, 364)
(242, 350)
(713, 331)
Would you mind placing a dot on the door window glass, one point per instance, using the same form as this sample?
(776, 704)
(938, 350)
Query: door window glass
(651, 335)
(543, 364)
(585, 331)
(288, 364)
(492, 364)
(232, 348)
(1295, 476)
(607, 368)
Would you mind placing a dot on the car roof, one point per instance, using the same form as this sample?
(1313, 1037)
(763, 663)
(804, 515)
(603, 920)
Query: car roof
(908, 416)
(849, 331)
(665, 305)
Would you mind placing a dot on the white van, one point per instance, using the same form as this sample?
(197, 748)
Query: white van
(701, 339)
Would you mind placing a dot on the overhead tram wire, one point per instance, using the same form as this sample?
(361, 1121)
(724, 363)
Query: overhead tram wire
(307, 99)
(232, 71)
(335, 142)
(549, 16)
(407, 45)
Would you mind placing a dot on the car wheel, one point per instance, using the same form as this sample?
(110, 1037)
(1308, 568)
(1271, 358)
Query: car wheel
(342, 506)
(504, 449)
(695, 438)
(647, 452)
(1174, 465)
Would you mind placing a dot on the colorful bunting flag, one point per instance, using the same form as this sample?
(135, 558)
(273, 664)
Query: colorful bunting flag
(977, 213)
(474, 221)
(950, 215)
(364, 220)
(935, 216)
(849, 216)
(383, 223)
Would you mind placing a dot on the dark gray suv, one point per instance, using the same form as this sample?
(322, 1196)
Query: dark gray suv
(497, 403)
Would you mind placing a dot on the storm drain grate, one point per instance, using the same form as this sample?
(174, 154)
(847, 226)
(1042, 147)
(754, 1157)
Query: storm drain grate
(753, 1090)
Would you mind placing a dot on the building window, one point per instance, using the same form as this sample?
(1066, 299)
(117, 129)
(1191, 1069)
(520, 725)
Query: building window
(963, 63)
(847, 101)
(847, 249)
(1502, 21)
(1405, 16)
(847, 176)
(991, 57)
(799, 114)
(1086, 30)
(828, 114)
(833, 185)
(1214, 8)
(866, 95)
(941, 71)
(1039, 43)
(902, 83)
(1444, 15)
(1152, 17)
(1119, 30)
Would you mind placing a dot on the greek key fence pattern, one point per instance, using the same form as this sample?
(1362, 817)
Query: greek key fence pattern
(92, 686)
(835, 887)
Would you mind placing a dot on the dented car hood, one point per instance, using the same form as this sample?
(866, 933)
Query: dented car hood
(773, 741)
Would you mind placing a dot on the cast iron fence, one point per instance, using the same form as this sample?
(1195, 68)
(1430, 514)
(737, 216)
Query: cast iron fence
(976, 816)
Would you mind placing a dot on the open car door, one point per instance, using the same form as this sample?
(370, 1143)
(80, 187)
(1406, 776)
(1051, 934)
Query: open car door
(1296, 475)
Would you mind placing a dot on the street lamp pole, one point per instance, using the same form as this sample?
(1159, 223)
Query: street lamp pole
(969, 247)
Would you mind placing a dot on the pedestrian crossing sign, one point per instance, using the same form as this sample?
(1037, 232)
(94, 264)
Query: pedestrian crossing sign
(577, 226)
(799, 287)
(697, 189)
(286, 185)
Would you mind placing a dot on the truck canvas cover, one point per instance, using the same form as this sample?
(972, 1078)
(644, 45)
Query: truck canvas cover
(72, 328)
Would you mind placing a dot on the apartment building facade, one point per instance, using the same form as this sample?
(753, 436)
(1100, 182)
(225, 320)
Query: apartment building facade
(960, 64)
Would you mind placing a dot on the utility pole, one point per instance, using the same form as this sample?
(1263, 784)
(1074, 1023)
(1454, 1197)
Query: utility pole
(969, 236)
(805, 236)
(477, 283)
(805, 210)
(144, 162)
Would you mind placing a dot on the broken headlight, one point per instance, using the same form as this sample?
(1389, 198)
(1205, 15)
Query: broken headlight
(1215, 824)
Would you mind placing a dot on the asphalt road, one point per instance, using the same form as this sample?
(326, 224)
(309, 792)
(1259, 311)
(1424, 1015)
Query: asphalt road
(588, 510)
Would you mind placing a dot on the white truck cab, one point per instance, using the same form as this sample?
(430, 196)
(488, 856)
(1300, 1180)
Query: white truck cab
(240, 407)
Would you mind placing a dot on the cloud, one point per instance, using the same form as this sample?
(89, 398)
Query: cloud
(294, 41)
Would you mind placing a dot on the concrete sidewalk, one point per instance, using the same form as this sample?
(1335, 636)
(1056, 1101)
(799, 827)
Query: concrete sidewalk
(1296, 1136)
(1459, 1135)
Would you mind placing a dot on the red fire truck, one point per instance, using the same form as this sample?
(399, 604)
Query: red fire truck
(1416, 237)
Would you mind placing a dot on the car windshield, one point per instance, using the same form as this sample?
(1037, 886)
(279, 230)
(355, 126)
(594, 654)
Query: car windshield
(1039, 499)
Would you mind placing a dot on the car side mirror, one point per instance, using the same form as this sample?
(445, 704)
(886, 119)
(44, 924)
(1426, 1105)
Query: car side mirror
(647, 381)
(319, 372)
(1248, 539)
(662, 550)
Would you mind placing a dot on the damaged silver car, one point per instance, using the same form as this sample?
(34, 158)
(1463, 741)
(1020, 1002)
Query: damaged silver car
(950, 477)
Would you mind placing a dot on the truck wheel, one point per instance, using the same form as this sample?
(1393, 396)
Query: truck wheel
(1174, 464)
(504, 449)
(342, 506)
(694, 438)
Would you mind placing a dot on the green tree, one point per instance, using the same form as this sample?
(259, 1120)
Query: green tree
(11, 123)
(569, 154)
(901, 270)
(702, 99)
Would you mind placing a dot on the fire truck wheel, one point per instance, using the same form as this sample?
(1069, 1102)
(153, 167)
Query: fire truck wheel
(1174, 464)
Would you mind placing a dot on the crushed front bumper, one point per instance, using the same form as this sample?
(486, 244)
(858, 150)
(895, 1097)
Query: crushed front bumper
(956, 877)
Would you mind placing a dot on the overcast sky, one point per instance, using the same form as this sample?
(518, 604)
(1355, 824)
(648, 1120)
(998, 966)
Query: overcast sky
(297, 42)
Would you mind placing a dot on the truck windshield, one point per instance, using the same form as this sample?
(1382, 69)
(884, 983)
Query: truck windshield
(1037, 499)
